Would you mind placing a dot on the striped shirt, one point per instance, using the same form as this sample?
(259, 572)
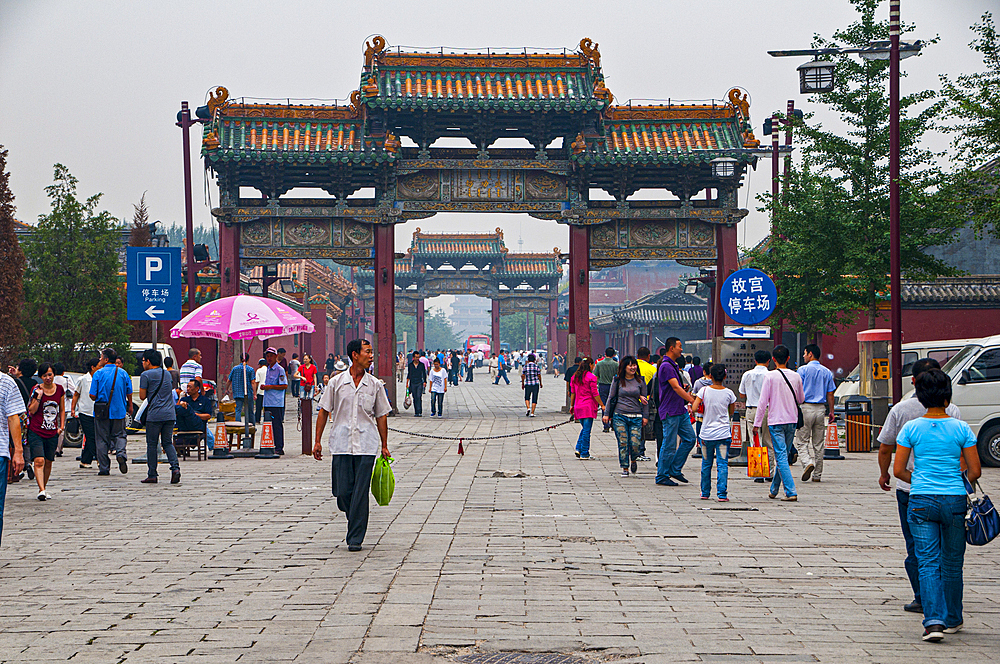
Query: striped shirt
(11, 403)
(531, 374)
(189, 370)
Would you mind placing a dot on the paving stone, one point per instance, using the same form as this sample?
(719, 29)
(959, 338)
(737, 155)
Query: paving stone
(245, 560)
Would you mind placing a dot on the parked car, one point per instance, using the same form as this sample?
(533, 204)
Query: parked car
(942, 351)
(975, 384)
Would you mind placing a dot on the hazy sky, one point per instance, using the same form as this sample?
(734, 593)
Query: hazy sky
(96, 85)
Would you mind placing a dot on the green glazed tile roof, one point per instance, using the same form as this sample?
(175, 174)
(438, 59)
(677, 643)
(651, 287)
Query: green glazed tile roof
(463, 81)
(664, 135)
(459, 245)
(291, 133)
(532, 265)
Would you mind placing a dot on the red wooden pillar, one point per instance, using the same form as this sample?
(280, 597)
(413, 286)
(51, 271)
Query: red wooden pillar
(495, 328)
(385, 307)
(420, 325)
(317, 340)
(229, 285)
(579, 283)
(553, 325)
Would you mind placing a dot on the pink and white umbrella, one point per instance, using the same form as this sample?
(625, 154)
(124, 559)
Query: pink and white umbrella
(241, 317)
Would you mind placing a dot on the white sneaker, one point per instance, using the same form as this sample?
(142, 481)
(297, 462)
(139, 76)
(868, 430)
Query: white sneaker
(48, 496)
(531, 415)
(42, 495)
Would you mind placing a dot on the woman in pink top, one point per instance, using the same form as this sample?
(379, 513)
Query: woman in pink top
(586, 401)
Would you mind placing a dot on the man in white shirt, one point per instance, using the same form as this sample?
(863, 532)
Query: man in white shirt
(261, 377)
(356, 403)
(750, 386)
(82, 406)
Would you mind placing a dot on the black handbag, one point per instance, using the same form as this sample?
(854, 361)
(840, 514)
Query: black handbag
(801, 421)
(102, 407)
(73, 426)
(653, 394)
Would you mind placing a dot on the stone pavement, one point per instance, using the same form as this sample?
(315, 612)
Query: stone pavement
(245, 560)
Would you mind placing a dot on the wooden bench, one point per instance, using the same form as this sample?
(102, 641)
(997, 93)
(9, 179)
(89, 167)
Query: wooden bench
(235, 430)
(185, 441)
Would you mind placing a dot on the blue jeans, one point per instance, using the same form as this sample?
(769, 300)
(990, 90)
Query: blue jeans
(781, 437)
(239, 410)
(938, 527)
(710, 450)
(583, 442)
(910, 564)
(501, 373)
(672, 456)
(628, 431)
(4, 463)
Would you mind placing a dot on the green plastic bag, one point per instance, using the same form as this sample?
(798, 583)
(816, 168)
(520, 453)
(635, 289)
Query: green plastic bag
(383, 482)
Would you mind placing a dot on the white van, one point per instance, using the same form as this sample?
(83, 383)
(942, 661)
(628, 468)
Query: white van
(975, 384)
(942, 351)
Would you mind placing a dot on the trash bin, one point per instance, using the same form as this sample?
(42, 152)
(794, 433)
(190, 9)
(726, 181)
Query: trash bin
(858, 413)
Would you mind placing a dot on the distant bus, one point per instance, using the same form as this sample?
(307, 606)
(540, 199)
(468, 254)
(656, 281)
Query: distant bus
(476, 339)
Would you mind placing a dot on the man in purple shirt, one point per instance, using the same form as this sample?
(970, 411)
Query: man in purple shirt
(780, 396)
(674, 415)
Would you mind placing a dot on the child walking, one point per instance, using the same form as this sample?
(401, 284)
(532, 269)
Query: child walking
(716, 434)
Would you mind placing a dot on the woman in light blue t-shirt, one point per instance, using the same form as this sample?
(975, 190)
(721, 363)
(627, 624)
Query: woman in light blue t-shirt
(938, 500)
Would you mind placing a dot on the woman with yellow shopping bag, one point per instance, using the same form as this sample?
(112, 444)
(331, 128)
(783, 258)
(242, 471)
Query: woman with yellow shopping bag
(356, 403)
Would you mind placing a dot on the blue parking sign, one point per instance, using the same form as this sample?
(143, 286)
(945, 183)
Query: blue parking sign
(153, 283)
(748, 296)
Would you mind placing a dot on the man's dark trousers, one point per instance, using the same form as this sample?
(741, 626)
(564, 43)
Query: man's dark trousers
(352, 480)
(110, 438)
(604, 391)
(89, 451)
(278, 426)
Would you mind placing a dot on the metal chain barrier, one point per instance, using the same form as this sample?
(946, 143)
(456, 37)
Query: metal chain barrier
(462, 439)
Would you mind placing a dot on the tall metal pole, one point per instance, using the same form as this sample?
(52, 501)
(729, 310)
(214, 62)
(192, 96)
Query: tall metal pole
(896, 322)
(192, 271)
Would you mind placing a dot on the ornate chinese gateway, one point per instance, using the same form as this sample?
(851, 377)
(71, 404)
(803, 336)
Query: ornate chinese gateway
(580, 139)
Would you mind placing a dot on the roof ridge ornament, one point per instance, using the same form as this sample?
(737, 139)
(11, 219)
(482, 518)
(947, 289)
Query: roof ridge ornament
(373, 48)
(740, 99)
(356, 103)
(217, 99)
(590, 50)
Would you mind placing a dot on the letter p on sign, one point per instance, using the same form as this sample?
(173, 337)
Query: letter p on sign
(153, 264)
(154, 268)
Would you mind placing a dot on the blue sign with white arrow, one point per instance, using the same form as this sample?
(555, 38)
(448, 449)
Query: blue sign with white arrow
(748, 296)
(746, 332)
(153, 283)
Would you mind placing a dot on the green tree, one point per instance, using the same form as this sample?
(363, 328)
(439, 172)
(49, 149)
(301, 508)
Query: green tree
(973, 107)
(437, 330)
(71, 285)
(856, 161)
(11, 272)
(803, 252)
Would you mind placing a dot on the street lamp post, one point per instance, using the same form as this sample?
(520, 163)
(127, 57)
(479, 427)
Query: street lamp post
(896, 313)
(817, 81)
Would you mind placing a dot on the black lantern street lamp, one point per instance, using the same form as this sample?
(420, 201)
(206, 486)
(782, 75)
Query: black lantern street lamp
(894, 50)
(816, 76)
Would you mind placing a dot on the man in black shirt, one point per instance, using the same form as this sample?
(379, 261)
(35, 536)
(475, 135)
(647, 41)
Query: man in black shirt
(416, 379)
(194, 409)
